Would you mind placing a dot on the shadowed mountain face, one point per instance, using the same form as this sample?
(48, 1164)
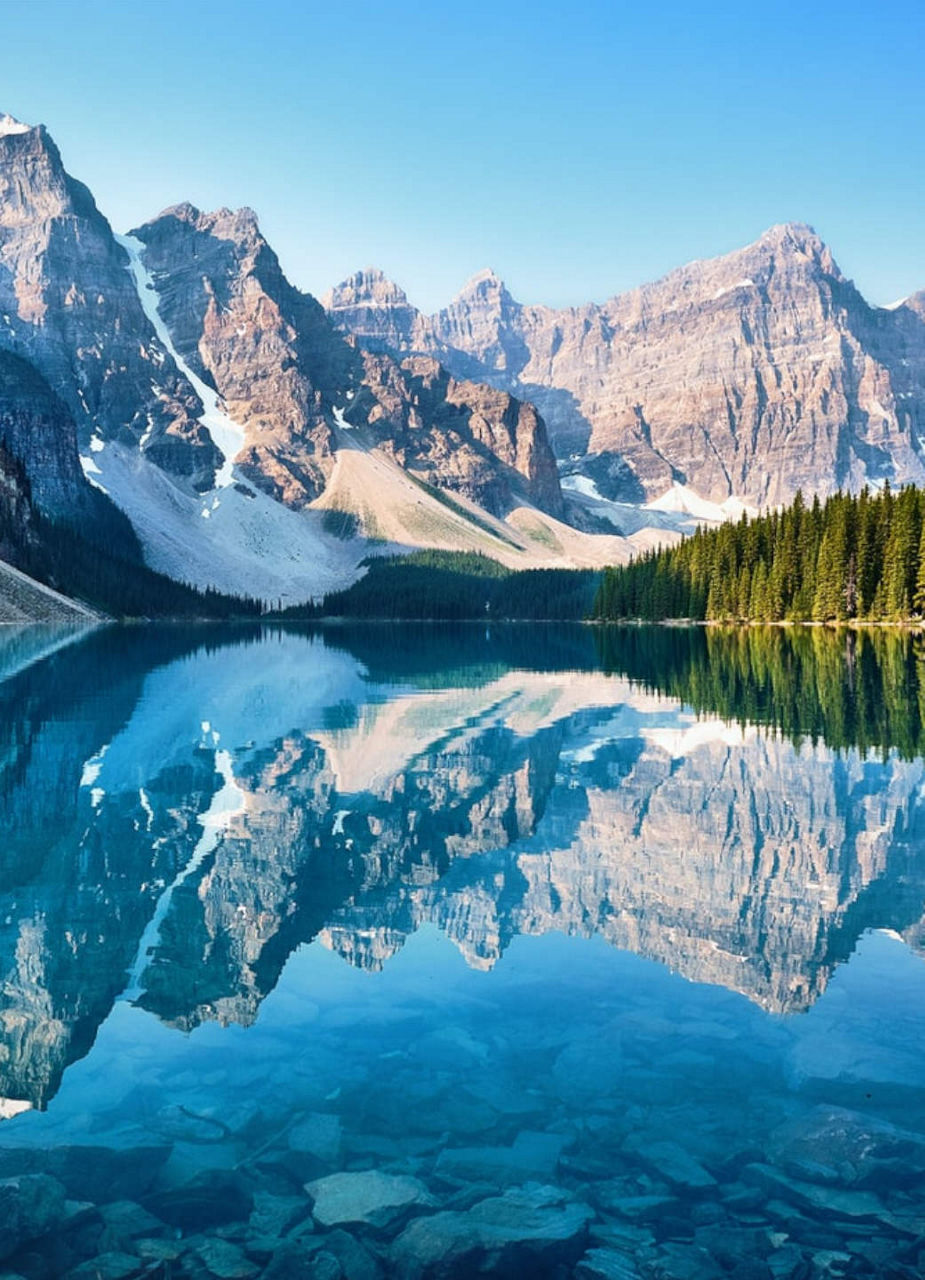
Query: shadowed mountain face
(746, 376)
(182, 810)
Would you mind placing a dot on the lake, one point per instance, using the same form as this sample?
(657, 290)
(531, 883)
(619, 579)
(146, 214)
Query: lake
(440, 952)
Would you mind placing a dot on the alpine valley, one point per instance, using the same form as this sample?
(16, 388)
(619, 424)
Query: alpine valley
(174, 413)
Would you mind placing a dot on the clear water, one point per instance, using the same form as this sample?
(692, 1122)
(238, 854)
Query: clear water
(445, 953)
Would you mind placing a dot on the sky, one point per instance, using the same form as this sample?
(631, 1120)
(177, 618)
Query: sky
(578, 149)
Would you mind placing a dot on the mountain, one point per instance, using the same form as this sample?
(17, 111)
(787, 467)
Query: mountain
(734, 380)
(254, 448)
(68, 306)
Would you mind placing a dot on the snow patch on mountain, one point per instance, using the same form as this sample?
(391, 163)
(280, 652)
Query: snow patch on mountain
(227, 434)
(681, 498)
(250, 545)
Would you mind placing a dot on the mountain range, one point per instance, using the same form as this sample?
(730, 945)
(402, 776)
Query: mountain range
(168, 396)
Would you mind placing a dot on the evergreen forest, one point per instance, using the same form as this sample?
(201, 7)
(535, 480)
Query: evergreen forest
(853, 557)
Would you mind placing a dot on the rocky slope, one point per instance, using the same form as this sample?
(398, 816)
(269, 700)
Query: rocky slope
(746, 376)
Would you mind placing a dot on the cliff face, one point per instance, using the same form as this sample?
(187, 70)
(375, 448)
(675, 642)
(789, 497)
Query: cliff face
(37, 429)
(68, 306)
(464, 436)
(750, 375)
(268, 349)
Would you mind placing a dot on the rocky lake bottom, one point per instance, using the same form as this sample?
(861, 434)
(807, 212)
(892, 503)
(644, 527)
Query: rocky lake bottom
(309, 969)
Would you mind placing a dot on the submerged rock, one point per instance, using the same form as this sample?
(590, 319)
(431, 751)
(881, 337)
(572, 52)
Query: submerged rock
(211, 1198)
(370, 1197)
(224, 1260)
(318, 1135)
(29, 1207)
(94, 1173)
(112, 1265)
(524, 1232)
(836, 1144)
(671, 1162)
(533, 1157)
(606, 1264)
(830, 1202)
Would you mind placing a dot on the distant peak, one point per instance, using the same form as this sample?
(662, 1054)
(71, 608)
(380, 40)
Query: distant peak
(486, 277)
(9, 125)
(485, 286)
(794, 235)
(183, 212)
(244, 217)
(367, 287)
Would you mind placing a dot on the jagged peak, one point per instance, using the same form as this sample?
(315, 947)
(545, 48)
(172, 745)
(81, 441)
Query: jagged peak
(485, 280)
(369, 286)
(183, 212)
(9, 126)
(484, 285)
(789, 231)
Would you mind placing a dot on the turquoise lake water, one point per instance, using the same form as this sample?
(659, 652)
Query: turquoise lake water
(394, 951)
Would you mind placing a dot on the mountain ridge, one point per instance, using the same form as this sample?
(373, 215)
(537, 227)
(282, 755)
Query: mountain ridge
(744, 376)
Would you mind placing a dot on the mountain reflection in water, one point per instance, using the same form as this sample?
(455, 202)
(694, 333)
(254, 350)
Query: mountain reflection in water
(181, 809)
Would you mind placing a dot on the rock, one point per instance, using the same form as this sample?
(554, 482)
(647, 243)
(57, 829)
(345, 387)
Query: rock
(158, 1250)
(533, 1156)
(606, 1264)
(671, 1162)
(831, 1144)
(112, 1265)
(209, 1199)
(274, 1216)
(586, 1071)
(30, 1206)
(96, 1173)
(785, 1263)
(637, 1208)
(729, 1244)
(129, 1220)
(522, 1232)
(369, 1197)
(356, 1262)
(224, 1260)
(827, 1201)
(318, 1136)
(293, 1262)
(684, 1262)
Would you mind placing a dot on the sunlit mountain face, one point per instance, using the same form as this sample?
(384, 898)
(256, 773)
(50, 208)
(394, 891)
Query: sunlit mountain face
(531, 881)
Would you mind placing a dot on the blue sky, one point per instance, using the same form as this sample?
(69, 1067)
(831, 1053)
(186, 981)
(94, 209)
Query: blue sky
(579, 149)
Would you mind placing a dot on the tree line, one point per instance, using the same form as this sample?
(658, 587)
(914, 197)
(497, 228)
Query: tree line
(457, 586)
(854, 557)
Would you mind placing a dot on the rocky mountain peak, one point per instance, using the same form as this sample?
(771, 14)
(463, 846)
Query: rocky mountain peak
(10, 126)
(369, 287)
(376, 311)
(800, 242)
(484, 285)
